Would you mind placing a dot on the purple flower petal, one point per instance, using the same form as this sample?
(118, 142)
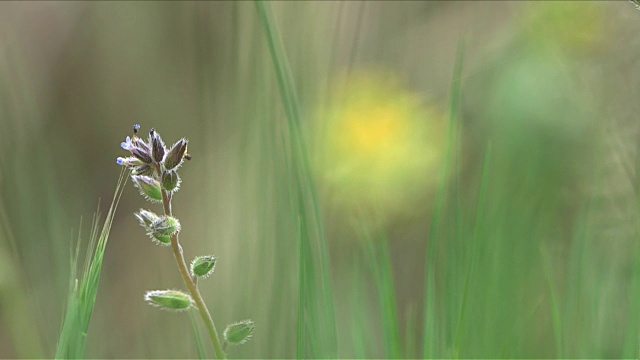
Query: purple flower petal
(127, 144)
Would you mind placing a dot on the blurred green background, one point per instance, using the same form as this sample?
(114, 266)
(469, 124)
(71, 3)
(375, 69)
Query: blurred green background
(486, 212)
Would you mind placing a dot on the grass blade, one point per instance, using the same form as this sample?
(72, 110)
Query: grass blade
(379, 261)
(430, 342)
(197, 336)
(470, 266)
(316, 316)
(82, 294)
(555, 302)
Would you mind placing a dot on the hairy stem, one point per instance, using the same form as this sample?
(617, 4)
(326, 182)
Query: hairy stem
(190, 282)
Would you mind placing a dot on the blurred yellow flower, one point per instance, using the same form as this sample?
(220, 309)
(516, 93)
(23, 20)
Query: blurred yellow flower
(377, 144)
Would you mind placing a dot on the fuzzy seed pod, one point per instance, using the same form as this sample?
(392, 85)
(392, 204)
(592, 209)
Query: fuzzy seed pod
(149, 187)
(157, 146)
(239, 333)
(141, 154)
(175, 157)
(203, 266)
(165, 226)
(171, 180)
(172, 300)
(142, 170)
(158, 239)
(146, 218)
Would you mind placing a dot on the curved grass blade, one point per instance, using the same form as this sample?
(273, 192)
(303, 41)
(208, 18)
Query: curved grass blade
(316, 316)
(83, 293)
(430, 344)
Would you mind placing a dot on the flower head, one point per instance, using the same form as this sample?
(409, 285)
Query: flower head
(151, 155)
(139, 150)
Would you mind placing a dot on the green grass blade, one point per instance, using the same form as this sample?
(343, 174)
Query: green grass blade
(316, 315)
(410, 332)
(555, 303)
(16, 300)
(197, 336)
(431, 330)
(379, 261)
(360, 328)
(82, 294)
(460, 326)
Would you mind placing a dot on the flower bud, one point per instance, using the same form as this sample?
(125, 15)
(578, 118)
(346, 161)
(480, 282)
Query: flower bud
(142, 170)
(165, 226)
(172, 300)
(138, 142)
(141, 154)
(159, 239)
(146, 218)
(175, 157)
(203, 266)
(149, 187)
(157, 146)
(239, 333)
(130, 161)
(171, 180)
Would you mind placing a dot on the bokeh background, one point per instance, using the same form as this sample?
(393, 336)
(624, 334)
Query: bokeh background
(489, 211)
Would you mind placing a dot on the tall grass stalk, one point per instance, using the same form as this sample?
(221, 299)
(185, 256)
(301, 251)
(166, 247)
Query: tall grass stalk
(555, 302)
(18, 305)
(316, 315)
(197, 337)
(82, 293)
(478, 227)
(379, 263)
(430, 324)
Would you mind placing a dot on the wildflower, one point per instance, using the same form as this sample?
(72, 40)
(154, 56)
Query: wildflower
(142, 156)
(154, 173)
(130, 161)
(127, 144)
(379, 144)
(148, 155)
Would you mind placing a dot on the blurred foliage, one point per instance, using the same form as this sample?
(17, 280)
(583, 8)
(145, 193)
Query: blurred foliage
(537, 252)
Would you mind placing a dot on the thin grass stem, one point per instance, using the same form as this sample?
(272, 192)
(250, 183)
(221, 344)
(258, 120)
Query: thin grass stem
(474, 250)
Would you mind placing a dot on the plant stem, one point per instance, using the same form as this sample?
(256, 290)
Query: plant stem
(191, 284)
